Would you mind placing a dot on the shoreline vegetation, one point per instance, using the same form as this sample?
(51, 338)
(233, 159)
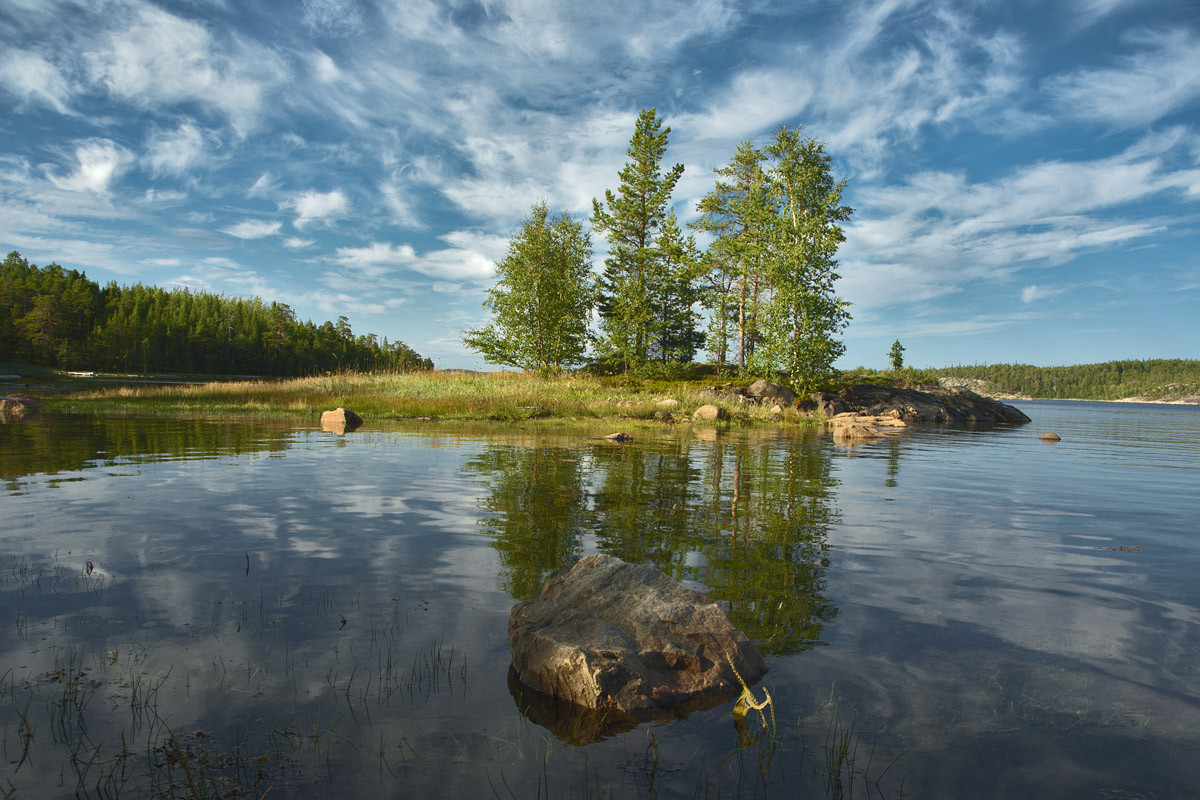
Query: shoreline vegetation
(460, 395)
(450, 395)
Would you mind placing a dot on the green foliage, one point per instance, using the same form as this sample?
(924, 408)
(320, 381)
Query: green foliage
(1152, 379)
(758, 517)
(896, 354)
(737, 213)
(802, 317)
(772, 268)
(60, 318)
(647, 275)
(542, 298)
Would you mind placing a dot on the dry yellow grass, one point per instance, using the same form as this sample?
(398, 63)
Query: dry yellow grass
(448, 395)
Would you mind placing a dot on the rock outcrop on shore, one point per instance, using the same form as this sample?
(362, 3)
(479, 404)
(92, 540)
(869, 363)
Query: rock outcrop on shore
(928, 405)
(866, 411)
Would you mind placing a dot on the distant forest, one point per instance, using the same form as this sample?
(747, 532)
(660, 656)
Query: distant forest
(59, 318)
(1153, 379)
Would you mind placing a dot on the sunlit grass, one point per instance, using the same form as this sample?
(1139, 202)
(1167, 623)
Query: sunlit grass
(448, 395)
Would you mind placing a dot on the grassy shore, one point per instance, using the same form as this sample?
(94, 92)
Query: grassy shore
(443, 395)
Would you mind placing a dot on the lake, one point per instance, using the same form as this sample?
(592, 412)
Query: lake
(198, 609)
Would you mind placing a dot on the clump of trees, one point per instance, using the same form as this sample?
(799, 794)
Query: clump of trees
(60, 318)
(766, 279)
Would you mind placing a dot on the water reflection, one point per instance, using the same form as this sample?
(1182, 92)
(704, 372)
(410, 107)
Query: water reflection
(50, 445)
(746, 519)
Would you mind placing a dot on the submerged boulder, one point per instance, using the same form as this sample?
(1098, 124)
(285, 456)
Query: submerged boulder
(626, 638)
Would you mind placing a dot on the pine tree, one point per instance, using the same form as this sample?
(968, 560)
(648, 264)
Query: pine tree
(673, 296)
(632, 220)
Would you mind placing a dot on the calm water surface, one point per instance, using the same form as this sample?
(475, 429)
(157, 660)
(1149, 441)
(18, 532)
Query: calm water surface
(217, 610)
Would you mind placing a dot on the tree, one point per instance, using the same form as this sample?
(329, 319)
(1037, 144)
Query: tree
(737, 213)
(632, 220)
(804, 316)
(896, 354)
(776, 226)
(674, 296)
(542, 298)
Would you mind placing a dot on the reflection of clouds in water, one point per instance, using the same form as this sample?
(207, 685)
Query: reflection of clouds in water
(977, 587)
(313, 549)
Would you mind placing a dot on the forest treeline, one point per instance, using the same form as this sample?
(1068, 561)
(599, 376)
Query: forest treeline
(1153, 379)
(60, 318)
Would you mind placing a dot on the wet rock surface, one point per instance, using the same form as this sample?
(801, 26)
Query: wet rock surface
(626, 639)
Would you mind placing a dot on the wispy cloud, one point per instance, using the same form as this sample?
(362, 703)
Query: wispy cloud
(150, 57)
(175, 152)
(332, 17)
(99, 162)
(253, 229)
(33, 79)
(936, 232)
(1163, 77)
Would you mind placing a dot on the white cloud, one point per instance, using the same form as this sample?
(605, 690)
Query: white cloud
(34, 79)
(175, 152)
(471, 257)
(296, 243)
(253, 229)
(1163, 78)
(152, 58)
(376, 260)
(1033, 293)
(99, 163)
(314, 206)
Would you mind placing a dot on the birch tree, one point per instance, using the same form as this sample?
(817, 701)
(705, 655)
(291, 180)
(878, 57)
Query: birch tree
(542, 298)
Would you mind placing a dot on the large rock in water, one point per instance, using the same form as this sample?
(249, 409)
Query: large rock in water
(626, 638)
(340, 420)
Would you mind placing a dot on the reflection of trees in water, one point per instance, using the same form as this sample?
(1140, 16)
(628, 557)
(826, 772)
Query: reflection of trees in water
(53, 444)
(535, 509)
(745, 517)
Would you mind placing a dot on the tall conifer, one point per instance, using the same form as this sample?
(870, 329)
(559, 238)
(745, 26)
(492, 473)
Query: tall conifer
(632, 219)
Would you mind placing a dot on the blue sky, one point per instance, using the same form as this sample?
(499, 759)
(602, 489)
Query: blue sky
(1026, 175)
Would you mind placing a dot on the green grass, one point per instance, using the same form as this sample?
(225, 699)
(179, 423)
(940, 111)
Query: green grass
(446, 395)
